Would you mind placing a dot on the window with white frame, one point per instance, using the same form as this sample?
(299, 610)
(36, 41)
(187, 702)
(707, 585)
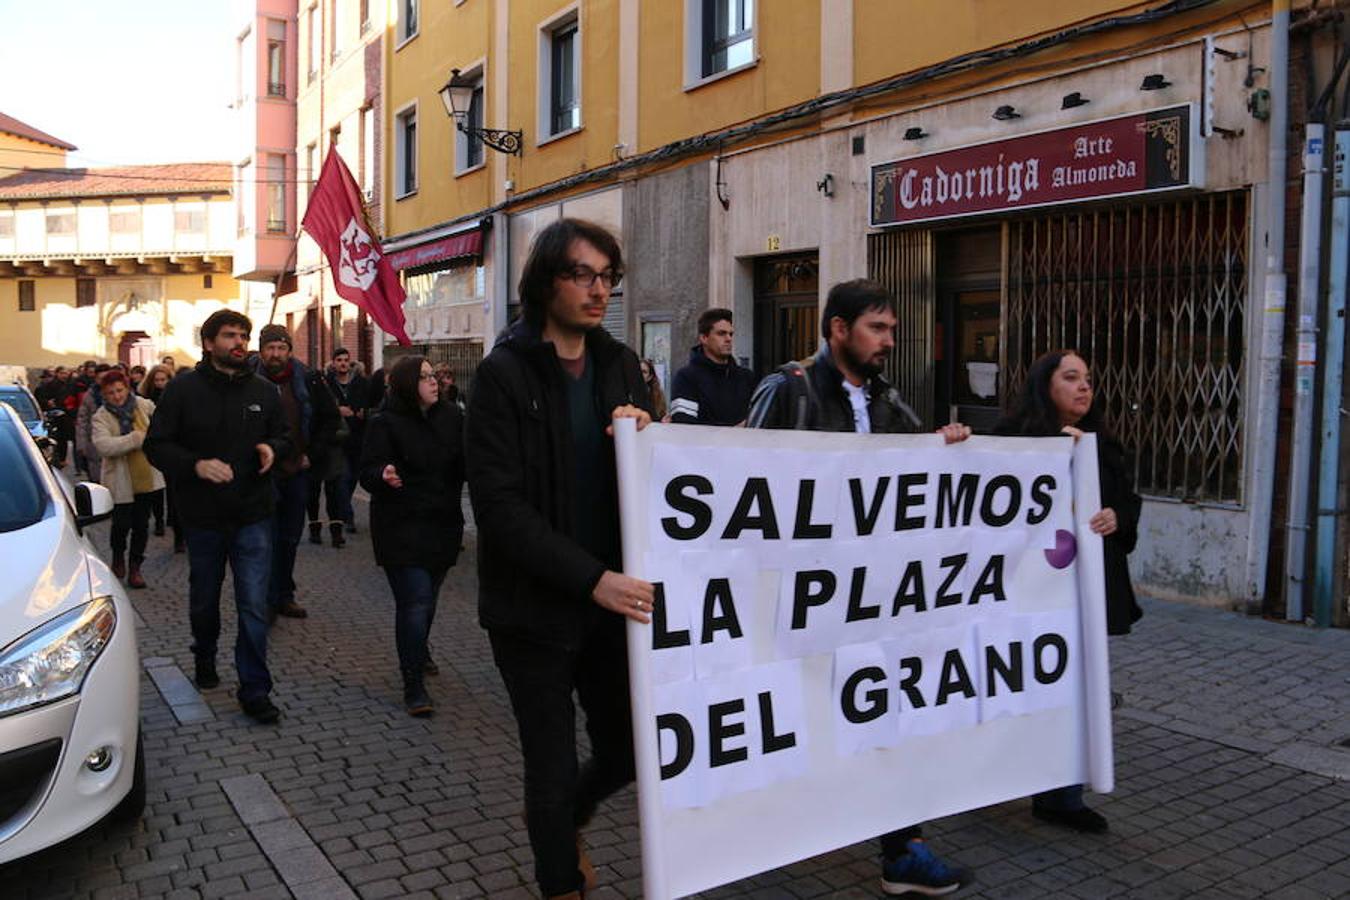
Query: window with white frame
(720, 35)
(276, 192)
(469, 147)
(276, 58)
(368, 152)
(124, 220)
(560, 75)
(61, 224)
(312, 42)
(407, 19)
(189, 221)
(311, 169)
(405, 152)
(6, 226)
(334, 28)
(243, 52)
(243, 191)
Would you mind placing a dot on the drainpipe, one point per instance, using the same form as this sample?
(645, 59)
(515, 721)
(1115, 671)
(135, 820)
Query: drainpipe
(1327, 499)
(1300, 457)
(1266, 428)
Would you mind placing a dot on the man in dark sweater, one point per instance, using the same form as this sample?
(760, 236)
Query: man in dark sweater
(712, 389)
(311, 420)
(216, 433)
(551, 594)
(842, 389)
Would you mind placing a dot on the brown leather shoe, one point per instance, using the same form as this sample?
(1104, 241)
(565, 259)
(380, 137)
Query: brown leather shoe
(134, 577)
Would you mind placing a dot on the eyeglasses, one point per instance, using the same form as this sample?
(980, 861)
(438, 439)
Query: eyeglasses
(430, 377)
(585, 276)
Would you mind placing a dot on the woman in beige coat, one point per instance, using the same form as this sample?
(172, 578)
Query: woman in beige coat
(119, 429)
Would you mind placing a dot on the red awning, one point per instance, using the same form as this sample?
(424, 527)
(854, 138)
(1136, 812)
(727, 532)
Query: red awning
(457, 246)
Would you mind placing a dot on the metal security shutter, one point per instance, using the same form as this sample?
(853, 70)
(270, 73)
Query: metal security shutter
(903, 261)
(616, 319)
(1154, 295)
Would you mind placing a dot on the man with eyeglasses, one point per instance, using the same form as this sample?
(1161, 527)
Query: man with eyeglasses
(551, 594)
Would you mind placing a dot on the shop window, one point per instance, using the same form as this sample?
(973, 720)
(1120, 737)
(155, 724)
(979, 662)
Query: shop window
(1154, 295)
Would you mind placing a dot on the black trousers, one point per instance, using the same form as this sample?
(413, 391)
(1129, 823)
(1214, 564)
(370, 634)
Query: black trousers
(560, 795)
(133, 518)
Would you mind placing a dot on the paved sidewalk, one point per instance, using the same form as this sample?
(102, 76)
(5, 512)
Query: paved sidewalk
(1231, 771)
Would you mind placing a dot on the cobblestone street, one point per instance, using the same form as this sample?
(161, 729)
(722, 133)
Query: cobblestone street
(1232, 752)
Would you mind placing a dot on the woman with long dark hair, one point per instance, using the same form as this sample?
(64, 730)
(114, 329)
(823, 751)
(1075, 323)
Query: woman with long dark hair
(1057, 399)
(659, 410)
(412, 463)
(152, 388)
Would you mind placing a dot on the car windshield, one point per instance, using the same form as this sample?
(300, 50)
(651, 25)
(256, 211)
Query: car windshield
(23, 498)
(21, 403)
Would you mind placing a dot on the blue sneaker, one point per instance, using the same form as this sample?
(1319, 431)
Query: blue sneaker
(920, 872)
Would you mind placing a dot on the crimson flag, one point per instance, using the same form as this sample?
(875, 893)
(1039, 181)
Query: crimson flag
(336, 219)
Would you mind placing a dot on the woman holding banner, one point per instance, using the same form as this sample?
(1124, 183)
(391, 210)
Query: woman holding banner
(1057, 399)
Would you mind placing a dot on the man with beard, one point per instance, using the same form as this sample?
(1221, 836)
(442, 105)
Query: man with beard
(842, 389)
(215, 434)
(311, 421)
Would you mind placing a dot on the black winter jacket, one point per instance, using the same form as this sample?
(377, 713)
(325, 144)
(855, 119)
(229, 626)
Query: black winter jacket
(422, 523)
(534, 578)
(706, 393)
(208, 414)
(1117, 490)
(809, 396)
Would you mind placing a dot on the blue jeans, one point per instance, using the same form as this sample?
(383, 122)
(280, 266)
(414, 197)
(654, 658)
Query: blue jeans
(288, 523)
(248, 550)
(415, 591)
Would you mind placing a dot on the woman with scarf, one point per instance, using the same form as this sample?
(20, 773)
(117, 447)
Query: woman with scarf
(1057, 399)
(152, 388)
(119, 429)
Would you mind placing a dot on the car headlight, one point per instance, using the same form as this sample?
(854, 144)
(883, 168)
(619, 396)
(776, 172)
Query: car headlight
(50, 662)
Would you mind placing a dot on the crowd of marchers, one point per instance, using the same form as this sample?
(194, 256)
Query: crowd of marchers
(248, 443)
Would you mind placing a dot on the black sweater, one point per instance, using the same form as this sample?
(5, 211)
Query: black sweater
(209, 414)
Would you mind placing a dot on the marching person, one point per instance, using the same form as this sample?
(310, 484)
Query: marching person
(552, 595)
(1057, 399)
(654, 391)
(413, 466)
(842, 389)
(712, 389)
(86, 454)
(349, 390)
(118, 429)
(152, 388)
(311, 420)
(216, 434)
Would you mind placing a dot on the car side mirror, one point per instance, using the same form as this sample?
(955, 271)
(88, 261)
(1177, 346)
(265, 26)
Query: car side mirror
(93, 503)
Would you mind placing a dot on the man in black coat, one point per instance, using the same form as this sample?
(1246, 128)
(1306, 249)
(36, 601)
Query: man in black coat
(842, 389)
(312, 421)
(351, 391)
(215, 434)
(712, 389)
(544, 489)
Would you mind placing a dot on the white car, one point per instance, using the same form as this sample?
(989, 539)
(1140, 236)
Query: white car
(70, 749)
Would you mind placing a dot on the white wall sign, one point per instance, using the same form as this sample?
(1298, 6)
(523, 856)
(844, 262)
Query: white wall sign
(854, 633)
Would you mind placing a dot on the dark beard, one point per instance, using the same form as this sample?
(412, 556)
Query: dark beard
(862, 367)
(226, 361)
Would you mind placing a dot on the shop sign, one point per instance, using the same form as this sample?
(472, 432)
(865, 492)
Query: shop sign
(1142, 153)
(457, 246)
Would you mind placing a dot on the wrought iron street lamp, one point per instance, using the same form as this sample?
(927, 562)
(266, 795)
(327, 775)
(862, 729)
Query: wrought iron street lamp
(457, 95)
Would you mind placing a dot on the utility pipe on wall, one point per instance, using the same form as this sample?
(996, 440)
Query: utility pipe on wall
(1300, 457)
(1270, 339)
(1334, 359)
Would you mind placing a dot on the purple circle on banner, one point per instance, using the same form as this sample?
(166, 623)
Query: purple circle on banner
(1065, 549)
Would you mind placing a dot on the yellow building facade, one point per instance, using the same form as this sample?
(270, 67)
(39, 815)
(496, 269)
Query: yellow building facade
(118, 264)
(752, 154)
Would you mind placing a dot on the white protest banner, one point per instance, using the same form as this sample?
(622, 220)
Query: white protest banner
(854, 633)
